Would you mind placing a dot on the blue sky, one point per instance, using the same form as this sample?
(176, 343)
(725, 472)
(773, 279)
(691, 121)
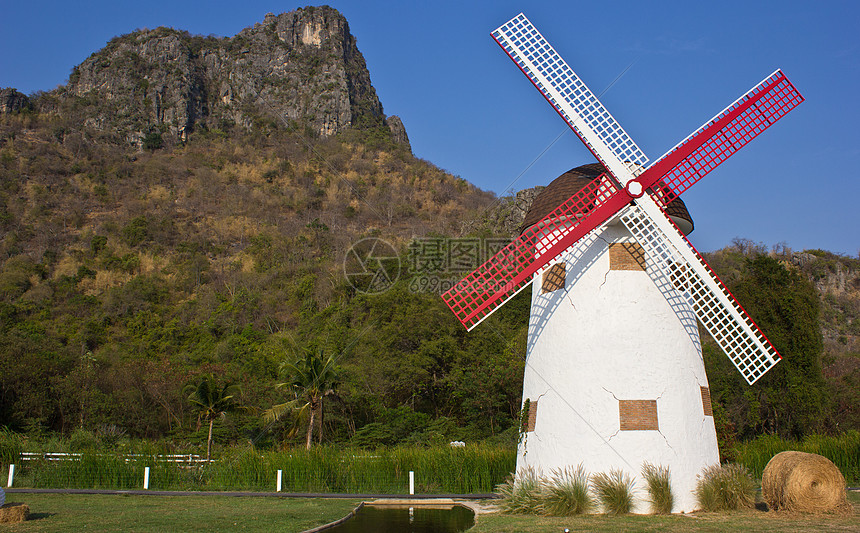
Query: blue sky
(469, 110)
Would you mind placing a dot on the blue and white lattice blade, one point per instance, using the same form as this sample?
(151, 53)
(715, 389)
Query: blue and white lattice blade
(571, 98)
(714, 306)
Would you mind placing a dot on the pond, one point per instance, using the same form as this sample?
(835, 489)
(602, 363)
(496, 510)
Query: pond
(405, 519)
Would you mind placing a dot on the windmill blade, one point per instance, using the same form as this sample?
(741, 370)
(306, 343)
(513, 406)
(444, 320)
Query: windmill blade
(570, 97)
(716, 307)
(505, 274)
(719, 138)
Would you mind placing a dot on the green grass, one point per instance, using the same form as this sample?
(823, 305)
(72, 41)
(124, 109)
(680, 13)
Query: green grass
(60, 512)
(79, 512)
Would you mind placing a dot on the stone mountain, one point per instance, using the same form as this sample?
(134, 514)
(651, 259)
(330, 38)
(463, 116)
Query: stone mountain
(302, 67)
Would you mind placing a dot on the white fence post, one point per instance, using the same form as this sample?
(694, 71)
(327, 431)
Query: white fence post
(146, 478)
(280, 478)
(411, 482)
(11, 476)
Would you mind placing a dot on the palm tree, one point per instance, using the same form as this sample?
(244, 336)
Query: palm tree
(310, 379)
(212, 401)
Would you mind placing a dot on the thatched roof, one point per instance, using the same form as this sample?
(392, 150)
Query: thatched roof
(564, 186)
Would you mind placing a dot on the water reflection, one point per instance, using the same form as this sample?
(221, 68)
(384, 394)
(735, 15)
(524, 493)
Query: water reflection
(397, 519)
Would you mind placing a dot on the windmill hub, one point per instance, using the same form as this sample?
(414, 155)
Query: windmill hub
(634, 189)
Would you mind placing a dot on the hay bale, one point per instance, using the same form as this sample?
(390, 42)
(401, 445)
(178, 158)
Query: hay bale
(14, 512)
(803, 482)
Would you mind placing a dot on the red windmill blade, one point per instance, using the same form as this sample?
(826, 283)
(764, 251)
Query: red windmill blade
(513, 268)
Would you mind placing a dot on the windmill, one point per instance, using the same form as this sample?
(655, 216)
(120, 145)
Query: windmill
(614, 372)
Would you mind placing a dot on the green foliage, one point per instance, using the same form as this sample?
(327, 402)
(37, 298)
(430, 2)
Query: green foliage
(725, 488)
(791, 398)
(614, 491)
(152, 141)
(659, 489)
(98, 243)
(310, 379)
(11, 446)
(212, 401)
(83, 440)
(136, 231)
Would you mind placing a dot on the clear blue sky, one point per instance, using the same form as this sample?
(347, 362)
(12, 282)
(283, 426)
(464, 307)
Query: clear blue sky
(470, 111)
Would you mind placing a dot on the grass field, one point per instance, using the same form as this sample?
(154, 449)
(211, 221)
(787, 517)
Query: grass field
(107, 513)
(79, 512)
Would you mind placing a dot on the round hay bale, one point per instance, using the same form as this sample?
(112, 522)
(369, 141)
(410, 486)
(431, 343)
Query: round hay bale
(803, 482)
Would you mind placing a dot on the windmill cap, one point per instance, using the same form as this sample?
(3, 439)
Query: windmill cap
(566, 185)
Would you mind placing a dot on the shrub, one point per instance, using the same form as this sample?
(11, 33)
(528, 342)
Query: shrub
(82, 440)
(11, 446)
(522, 494)
(614, 491)
(659, 490)
(152, 141)
(566, 493)
(725, 488)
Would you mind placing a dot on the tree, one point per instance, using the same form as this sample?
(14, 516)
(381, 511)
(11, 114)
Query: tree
(790, 399)
(212, 401)
(310, 379)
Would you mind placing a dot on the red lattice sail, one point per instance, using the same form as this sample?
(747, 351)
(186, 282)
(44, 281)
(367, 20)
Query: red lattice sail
(502, 276)
(719, 138)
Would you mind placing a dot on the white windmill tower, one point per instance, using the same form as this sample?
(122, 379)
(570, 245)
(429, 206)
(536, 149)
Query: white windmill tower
(614, 373)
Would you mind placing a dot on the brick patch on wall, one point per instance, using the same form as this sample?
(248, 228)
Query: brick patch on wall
(706, 401)
(626, 256)
(554, 278)
(638, 414)
(530, 417)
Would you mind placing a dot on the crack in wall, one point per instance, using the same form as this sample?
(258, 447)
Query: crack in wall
(608, 270)
(617, 400)
(569, 299)
(667, 442)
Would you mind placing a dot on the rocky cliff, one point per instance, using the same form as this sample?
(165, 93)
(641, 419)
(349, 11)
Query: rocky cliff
(12, 101)
(301, 68)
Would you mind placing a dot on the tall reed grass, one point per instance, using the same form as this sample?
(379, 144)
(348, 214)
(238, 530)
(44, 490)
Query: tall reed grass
(566, 492)
(614, 491)
(522, 493)
(659, 489)
(472, 469)
(843, 450)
